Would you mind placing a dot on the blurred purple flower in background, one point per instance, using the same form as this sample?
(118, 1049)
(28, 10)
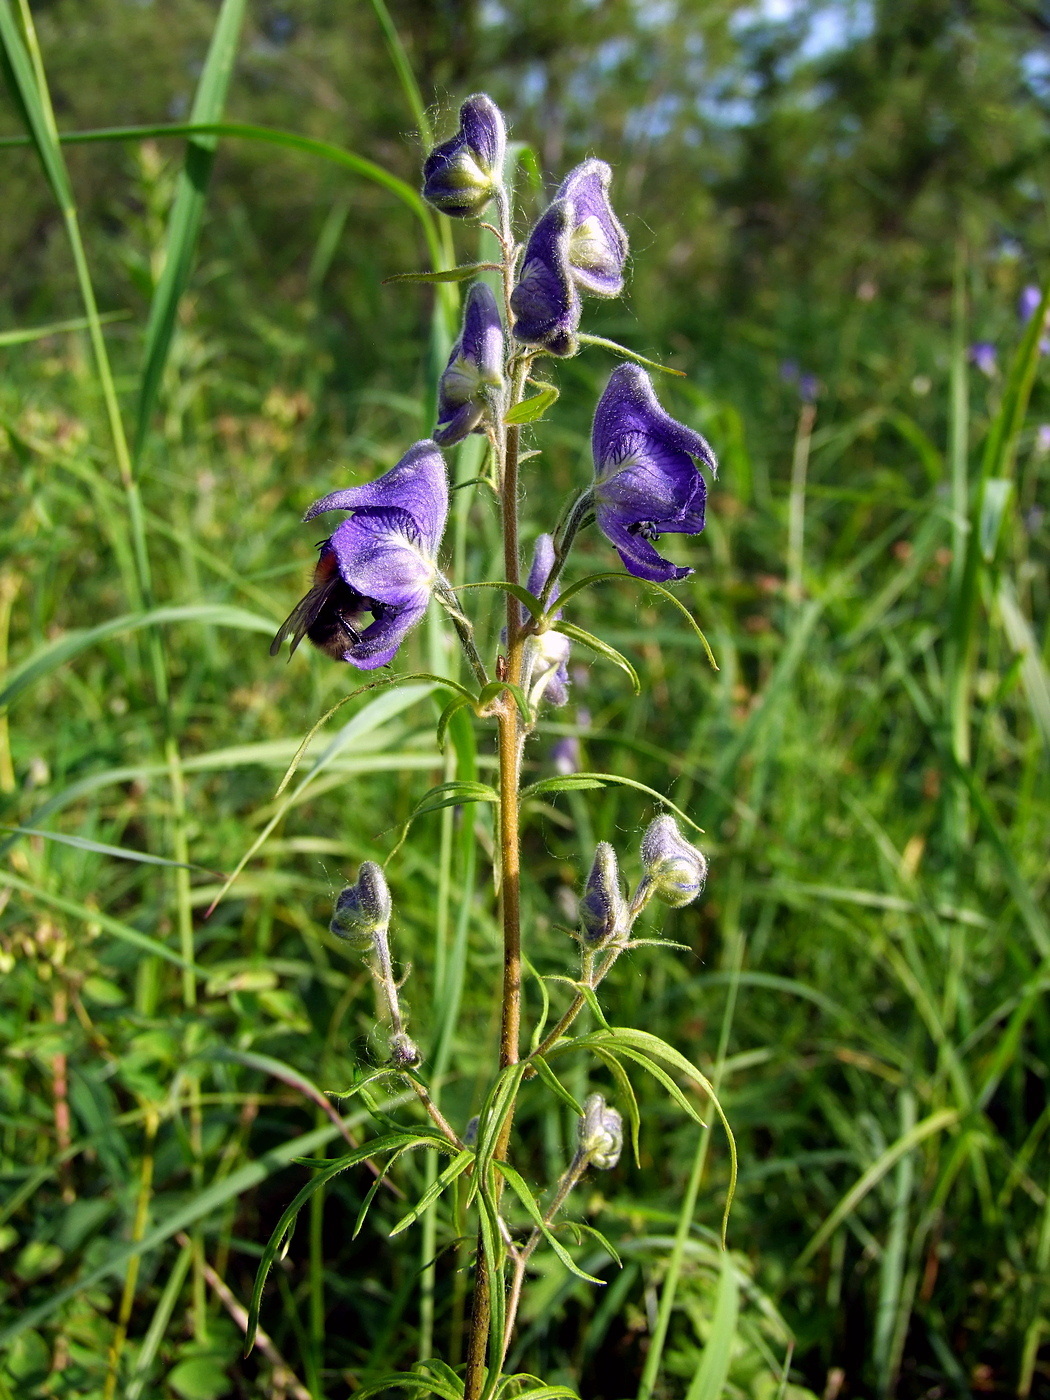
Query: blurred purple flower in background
(565, 755)
(1042, 437)
(645, 479)
(475, 364)
(461, 174)
(382, 560)
(548, 651)
(1028, 303)
(982, 354)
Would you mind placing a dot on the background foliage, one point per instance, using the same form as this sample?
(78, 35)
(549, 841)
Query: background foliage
(848, 191)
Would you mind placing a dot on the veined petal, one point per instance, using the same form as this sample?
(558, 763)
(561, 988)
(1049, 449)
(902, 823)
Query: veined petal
(630, 406)
(380, 554)
(633, 546)
(418, 485)
(380, 640)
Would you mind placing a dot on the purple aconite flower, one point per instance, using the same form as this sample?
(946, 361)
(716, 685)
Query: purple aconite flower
(548, 651)
(565, 755)
(461, 175)
(577, 246)
(597, 241)
(475, 364)
(982, 354)
(546, 300)
(646, 482)
(379, 561)
(1028, 303)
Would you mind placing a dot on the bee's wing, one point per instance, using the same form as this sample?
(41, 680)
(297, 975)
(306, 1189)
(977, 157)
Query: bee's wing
(305, 613)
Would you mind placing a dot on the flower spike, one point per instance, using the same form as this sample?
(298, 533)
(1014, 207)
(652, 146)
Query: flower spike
(382, 561)
(462, 174)
(645, 479)
(475, 364)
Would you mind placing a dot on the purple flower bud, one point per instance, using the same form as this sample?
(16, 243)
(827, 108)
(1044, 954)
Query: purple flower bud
(565, 755)
(600, 1133)
(404, 1052)
(548, 652)
(1042, 438)
(645, 480)
(1028, 303)
(461, 175)
(603, 909)
(381, 561)
(982, 354)
(577, 245)
(362, 909)
(808, 388)
(675, 871)
(475, 364)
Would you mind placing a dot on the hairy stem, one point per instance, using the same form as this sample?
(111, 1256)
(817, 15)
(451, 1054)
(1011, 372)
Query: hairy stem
(510, 738)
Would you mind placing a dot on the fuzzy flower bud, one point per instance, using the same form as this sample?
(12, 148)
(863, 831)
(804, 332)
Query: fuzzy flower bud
(461, 175)
(404, 1052)
(603, 910)
(600, 1133)
(362, 910)
(674, 870)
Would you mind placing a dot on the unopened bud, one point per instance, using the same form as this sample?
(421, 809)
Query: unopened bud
(603, 911)
(362, 909)
(461, 175)
(674, 870)
(470, 1132)
(404, 1052)
(600, 1133)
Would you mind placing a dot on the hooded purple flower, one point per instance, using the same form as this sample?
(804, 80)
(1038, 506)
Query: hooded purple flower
(476, 363)
(549, 651)
(382, 560)
(597, 241)
(461, 175)
(577, 246)
(645, 479)
(546, 300)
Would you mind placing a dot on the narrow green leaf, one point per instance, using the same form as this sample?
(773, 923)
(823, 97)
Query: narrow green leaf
(587, 639)
(359, 165)
(452, 1172)
(187, 213)
(450, 274)
(528, 1200)
(543, 1069)
(626, 354)
(531, 408)
(340, 1164)
(666, 593)
(90, 916)
(529, 600)
(494, 688)
(713, 1372)
(77, 323)
(994, 500)
(459, 702)
(569, 782)
(22, 676)
(935, 1123)
(196, 1207)
(81, 843)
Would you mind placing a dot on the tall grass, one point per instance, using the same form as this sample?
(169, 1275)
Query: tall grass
(867, 978)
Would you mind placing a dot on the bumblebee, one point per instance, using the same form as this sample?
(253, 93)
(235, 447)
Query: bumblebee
(329, 615)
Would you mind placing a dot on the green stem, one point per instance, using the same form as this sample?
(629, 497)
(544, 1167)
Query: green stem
(688, 1208)
(510, 739)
